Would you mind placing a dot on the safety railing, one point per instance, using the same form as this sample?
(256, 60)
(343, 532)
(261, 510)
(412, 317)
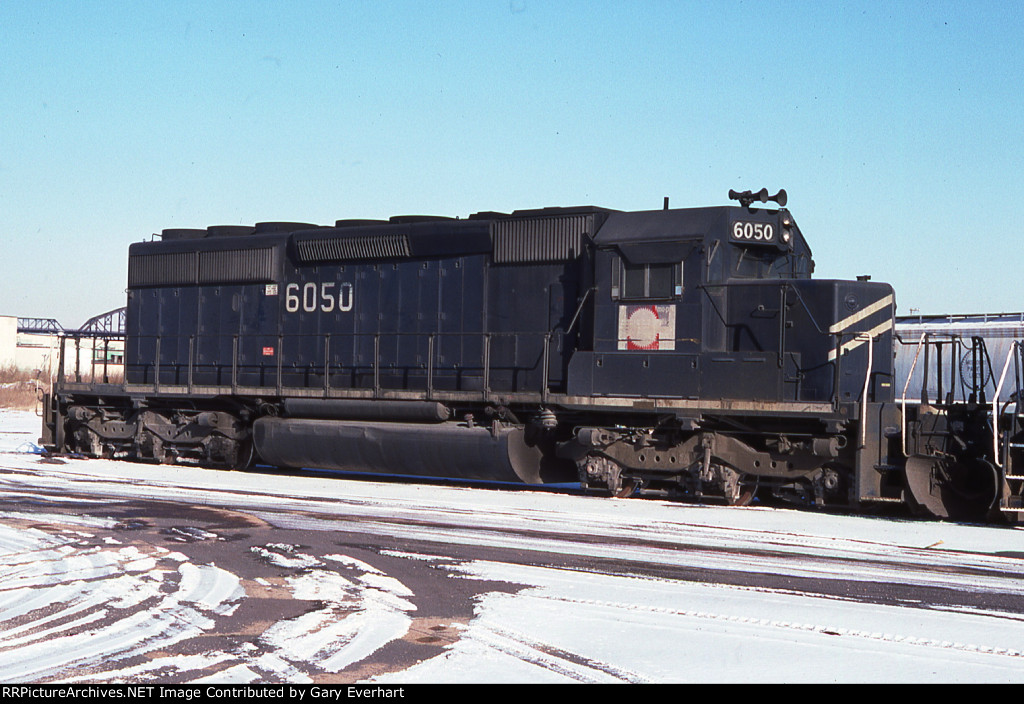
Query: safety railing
(943, 355)
(1013, 356)
(374, 363)
(94, 358)
(869, 368)
(839, 342)
(903, 397)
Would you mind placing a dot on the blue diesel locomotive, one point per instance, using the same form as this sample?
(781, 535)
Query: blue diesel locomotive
(679, 352)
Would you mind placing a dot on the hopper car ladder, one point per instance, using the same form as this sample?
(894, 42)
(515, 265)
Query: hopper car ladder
(1008, 438)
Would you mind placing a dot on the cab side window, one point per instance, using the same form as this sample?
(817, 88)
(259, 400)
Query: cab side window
(646, 281)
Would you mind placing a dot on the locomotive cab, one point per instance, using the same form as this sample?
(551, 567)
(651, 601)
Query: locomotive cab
(712, 303)
(755, 373)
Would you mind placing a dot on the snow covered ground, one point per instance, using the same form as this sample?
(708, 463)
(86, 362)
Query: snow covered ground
(595, 596)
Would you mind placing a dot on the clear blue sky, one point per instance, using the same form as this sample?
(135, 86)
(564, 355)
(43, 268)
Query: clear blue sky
(897, 128)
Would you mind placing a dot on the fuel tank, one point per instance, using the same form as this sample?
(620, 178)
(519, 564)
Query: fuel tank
(447, 450)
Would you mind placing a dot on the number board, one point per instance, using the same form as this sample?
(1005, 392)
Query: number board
(753, 232)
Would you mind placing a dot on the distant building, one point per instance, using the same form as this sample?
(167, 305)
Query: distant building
(8, 341)
(33, 345)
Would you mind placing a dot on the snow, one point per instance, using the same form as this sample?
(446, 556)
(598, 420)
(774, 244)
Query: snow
(76, 609)
(658, 631)
(78, 592)
(358, 617)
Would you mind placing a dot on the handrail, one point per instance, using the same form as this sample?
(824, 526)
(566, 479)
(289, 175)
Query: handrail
(234, 363)
(535, 358)
(579, 309)
(280, 361)
(487, 364)
(903, 399)
(191, 356)
(430, 367)
(327, 363)
(376, 365)
(867, 383)
(957, 386)
(545, 369)
(995, 403)
(781, 283)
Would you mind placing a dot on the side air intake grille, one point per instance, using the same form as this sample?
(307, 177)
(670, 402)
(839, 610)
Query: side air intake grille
(237, 266)
(336, 249)
(230, 266)
(172, 269)
(545, 239)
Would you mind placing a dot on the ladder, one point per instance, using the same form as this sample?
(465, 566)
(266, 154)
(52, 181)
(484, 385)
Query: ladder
(1008, 435)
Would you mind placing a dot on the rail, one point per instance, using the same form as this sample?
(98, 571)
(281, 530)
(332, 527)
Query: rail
(1013, 354)
(903, 398)
(972, 360)
(371, 365)
(972, 387)
(867, 383)
(376, 363)
(105, 357)
(924, 344)
(842, 339)
(784, 288)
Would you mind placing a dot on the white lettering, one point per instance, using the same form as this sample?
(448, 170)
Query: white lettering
(291, 301)
(325, 295)
(320, 297)
(345, 297)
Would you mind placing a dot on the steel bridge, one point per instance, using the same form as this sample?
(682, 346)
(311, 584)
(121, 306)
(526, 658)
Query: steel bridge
(109, 325)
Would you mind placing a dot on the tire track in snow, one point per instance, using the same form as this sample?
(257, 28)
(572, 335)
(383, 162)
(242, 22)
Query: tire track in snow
(68, 604)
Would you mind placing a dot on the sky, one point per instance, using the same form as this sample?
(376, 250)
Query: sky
(894, 127)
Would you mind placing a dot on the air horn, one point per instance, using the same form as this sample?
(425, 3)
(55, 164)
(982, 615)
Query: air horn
(747, 197)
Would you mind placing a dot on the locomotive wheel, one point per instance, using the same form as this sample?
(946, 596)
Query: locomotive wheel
(744, 495)
(626, 490)
(961, 490)
(246, 456)
(735, 487)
